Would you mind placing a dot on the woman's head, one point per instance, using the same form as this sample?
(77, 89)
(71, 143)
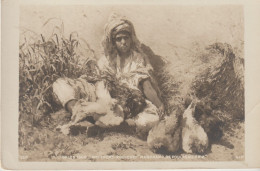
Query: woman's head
(119, 36)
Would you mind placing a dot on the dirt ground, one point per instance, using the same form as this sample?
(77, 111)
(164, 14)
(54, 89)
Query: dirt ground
(119, 144)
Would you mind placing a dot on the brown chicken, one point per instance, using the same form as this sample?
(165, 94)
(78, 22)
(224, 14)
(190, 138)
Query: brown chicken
(165, 137)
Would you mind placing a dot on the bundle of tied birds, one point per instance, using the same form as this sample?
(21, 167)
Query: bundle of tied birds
(131, 100)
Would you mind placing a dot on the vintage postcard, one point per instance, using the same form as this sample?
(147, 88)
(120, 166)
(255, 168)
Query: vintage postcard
(130, 85)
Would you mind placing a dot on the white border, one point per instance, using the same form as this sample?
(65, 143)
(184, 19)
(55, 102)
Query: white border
(9, 91)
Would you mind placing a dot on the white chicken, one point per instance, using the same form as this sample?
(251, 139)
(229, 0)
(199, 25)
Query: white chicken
(105, 111)
(194, 138)
(114, 114)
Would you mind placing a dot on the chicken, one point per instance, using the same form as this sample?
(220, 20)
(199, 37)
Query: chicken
(132, 100)
(105, 111)
(209, 121)
(165, 136)
(212, 124)
(145, 120)
(194, 138)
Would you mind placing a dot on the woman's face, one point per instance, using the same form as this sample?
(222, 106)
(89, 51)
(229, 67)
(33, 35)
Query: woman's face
(123, 42)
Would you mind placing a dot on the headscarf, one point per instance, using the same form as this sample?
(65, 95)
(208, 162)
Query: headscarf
(118, 24)
(115, 25)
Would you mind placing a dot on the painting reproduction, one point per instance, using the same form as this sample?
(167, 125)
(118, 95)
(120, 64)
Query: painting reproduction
(131, 82)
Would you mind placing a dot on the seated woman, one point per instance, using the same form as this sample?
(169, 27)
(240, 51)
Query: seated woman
(124, 61)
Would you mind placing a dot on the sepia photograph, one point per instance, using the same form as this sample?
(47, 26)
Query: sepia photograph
(131, 83)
